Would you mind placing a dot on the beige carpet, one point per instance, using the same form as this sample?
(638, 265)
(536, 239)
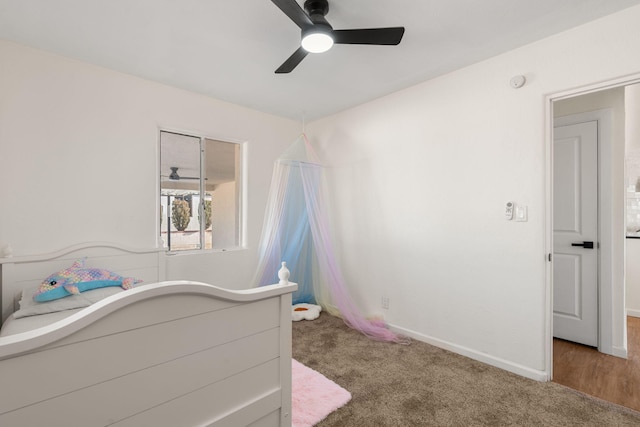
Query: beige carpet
(422, 385)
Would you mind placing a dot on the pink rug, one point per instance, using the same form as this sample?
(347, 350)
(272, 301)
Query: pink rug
(314, 396)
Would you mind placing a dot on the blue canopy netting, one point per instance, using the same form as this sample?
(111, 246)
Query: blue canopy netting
(296, 230)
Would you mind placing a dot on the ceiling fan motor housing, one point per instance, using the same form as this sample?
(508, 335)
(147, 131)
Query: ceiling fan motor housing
(316, 7)
(174, 173)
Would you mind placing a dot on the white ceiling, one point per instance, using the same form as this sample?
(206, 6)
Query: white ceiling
(229, 49)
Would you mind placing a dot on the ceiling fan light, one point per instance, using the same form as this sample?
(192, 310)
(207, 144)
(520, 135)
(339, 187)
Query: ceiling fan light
(317, 42)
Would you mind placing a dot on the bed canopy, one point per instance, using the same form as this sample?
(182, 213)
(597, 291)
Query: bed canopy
(296, 230)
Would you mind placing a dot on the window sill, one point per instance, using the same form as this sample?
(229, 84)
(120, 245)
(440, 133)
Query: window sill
(202, 251)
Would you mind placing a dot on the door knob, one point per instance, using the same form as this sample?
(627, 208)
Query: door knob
(586, 245)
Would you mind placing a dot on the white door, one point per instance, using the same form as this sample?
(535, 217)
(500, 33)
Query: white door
(575, 223)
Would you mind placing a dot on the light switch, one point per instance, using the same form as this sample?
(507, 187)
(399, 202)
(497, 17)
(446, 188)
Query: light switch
(521, 213)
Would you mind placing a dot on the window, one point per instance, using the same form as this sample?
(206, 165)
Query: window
(199, 192)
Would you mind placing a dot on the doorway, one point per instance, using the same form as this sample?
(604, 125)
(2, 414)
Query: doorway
(605, 105)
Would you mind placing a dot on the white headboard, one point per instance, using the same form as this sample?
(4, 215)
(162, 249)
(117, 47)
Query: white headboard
(17, 273)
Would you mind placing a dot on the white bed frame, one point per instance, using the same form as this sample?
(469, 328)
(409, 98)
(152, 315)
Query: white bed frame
(175, 353)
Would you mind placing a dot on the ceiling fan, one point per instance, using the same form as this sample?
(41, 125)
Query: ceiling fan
(318, 35)
(174, 174)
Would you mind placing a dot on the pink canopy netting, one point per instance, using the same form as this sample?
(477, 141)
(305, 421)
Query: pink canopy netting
(297, 230)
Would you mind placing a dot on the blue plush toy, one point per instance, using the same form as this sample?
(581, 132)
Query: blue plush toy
(76, 279)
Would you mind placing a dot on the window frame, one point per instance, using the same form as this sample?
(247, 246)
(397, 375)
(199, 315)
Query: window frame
(240, 201)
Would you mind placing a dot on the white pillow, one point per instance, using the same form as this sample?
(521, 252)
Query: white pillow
(29, 307)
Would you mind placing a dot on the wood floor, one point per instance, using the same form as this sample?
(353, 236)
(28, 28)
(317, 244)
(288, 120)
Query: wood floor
(606, 377)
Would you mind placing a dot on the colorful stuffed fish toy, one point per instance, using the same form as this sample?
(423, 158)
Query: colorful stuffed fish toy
(76, 279)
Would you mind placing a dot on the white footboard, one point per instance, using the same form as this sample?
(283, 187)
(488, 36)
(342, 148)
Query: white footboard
(172, 354)
(167, 354)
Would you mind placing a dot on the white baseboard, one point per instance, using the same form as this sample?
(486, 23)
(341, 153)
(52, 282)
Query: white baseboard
(633, 313)
(619, 352)
(475, 355)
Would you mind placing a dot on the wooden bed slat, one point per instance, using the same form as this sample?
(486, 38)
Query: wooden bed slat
(140, 348)
(151, 387)
(247, 414)
(227, 397)
(163, 309)
(269, 420)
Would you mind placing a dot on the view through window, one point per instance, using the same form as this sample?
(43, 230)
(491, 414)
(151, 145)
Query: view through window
(199, 192)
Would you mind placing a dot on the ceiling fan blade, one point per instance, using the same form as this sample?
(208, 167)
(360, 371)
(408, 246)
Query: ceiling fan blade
(178, 177)
(382, 36)
(292, 9)
(292, 62)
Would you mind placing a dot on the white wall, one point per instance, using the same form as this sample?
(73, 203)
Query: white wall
(420, 179)
(79, 158)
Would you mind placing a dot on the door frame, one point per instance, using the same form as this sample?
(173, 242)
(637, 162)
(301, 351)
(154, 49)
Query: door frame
(607, 309)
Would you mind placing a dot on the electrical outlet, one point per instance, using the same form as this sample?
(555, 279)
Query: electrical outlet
(385, 303)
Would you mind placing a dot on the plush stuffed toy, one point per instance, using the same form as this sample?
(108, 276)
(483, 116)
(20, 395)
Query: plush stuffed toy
(76, 279)
(304, 311)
